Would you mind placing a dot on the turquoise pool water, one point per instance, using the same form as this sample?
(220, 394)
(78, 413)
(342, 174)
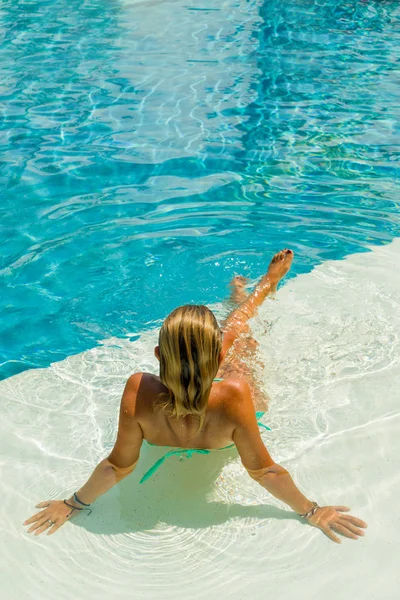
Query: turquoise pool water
(151, 150)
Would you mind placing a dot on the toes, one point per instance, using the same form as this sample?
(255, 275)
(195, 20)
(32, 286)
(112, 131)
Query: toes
(285, 253)
(239, 281)
(277, 257)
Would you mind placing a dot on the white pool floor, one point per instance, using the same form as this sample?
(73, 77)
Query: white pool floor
(330, 342)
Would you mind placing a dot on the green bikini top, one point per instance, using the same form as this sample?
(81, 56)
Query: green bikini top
(188, 452)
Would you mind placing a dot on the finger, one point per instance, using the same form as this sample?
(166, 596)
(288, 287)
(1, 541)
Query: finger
(54, 528)
(331, 535)
(37, 525)
(342, 508)
(345, 531)
(42, 528)
(38, 515)
(351, 527)
(44, 504)
(354, 520)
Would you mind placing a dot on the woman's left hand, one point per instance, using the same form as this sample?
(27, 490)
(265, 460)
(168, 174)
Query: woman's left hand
(54, 515)
(328, 518)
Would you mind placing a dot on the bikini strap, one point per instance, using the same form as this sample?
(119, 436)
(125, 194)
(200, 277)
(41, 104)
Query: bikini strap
(190, 451)
(187, 451)
(260, 414)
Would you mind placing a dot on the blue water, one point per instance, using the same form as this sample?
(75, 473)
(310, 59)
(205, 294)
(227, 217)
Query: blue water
(152, 150)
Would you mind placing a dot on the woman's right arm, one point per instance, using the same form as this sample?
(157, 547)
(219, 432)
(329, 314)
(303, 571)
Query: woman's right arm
(273, 477)
(108, 472)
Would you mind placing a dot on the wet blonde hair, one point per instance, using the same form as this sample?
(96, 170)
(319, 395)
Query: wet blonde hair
(190, 343)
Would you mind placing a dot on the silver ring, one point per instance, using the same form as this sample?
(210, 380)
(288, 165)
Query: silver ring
(51, 522)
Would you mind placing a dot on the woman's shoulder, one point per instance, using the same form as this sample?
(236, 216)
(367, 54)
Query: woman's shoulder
(141, 378)
(236, 385)
(236, 399)
(145, 387)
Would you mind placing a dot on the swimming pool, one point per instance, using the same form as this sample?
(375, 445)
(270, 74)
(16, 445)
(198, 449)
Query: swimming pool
(150, 151)
(167, 146)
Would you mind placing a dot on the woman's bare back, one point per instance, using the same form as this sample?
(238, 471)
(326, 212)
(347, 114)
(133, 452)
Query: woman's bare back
(161, 429)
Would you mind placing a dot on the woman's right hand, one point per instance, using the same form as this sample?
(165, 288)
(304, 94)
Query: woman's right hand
(54, 515)
(331, 518)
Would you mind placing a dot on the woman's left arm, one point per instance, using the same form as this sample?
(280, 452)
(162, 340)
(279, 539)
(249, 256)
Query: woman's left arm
(108, 472)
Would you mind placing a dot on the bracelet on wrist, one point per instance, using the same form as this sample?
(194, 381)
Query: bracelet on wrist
(88, 510)
(311, 512)
(79, 501)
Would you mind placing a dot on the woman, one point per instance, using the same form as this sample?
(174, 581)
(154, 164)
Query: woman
(189, 407)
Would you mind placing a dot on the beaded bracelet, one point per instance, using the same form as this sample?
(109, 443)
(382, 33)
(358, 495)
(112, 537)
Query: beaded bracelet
(311, 512)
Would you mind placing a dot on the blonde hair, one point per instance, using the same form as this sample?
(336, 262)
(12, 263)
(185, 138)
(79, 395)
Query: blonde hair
(190, 343)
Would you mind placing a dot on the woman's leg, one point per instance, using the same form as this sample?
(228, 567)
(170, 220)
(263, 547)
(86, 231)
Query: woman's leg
(238, 290)
(236, 322)
(239, 348)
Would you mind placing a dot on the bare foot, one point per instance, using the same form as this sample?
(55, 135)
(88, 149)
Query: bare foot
(238, 292)
(279, 266)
